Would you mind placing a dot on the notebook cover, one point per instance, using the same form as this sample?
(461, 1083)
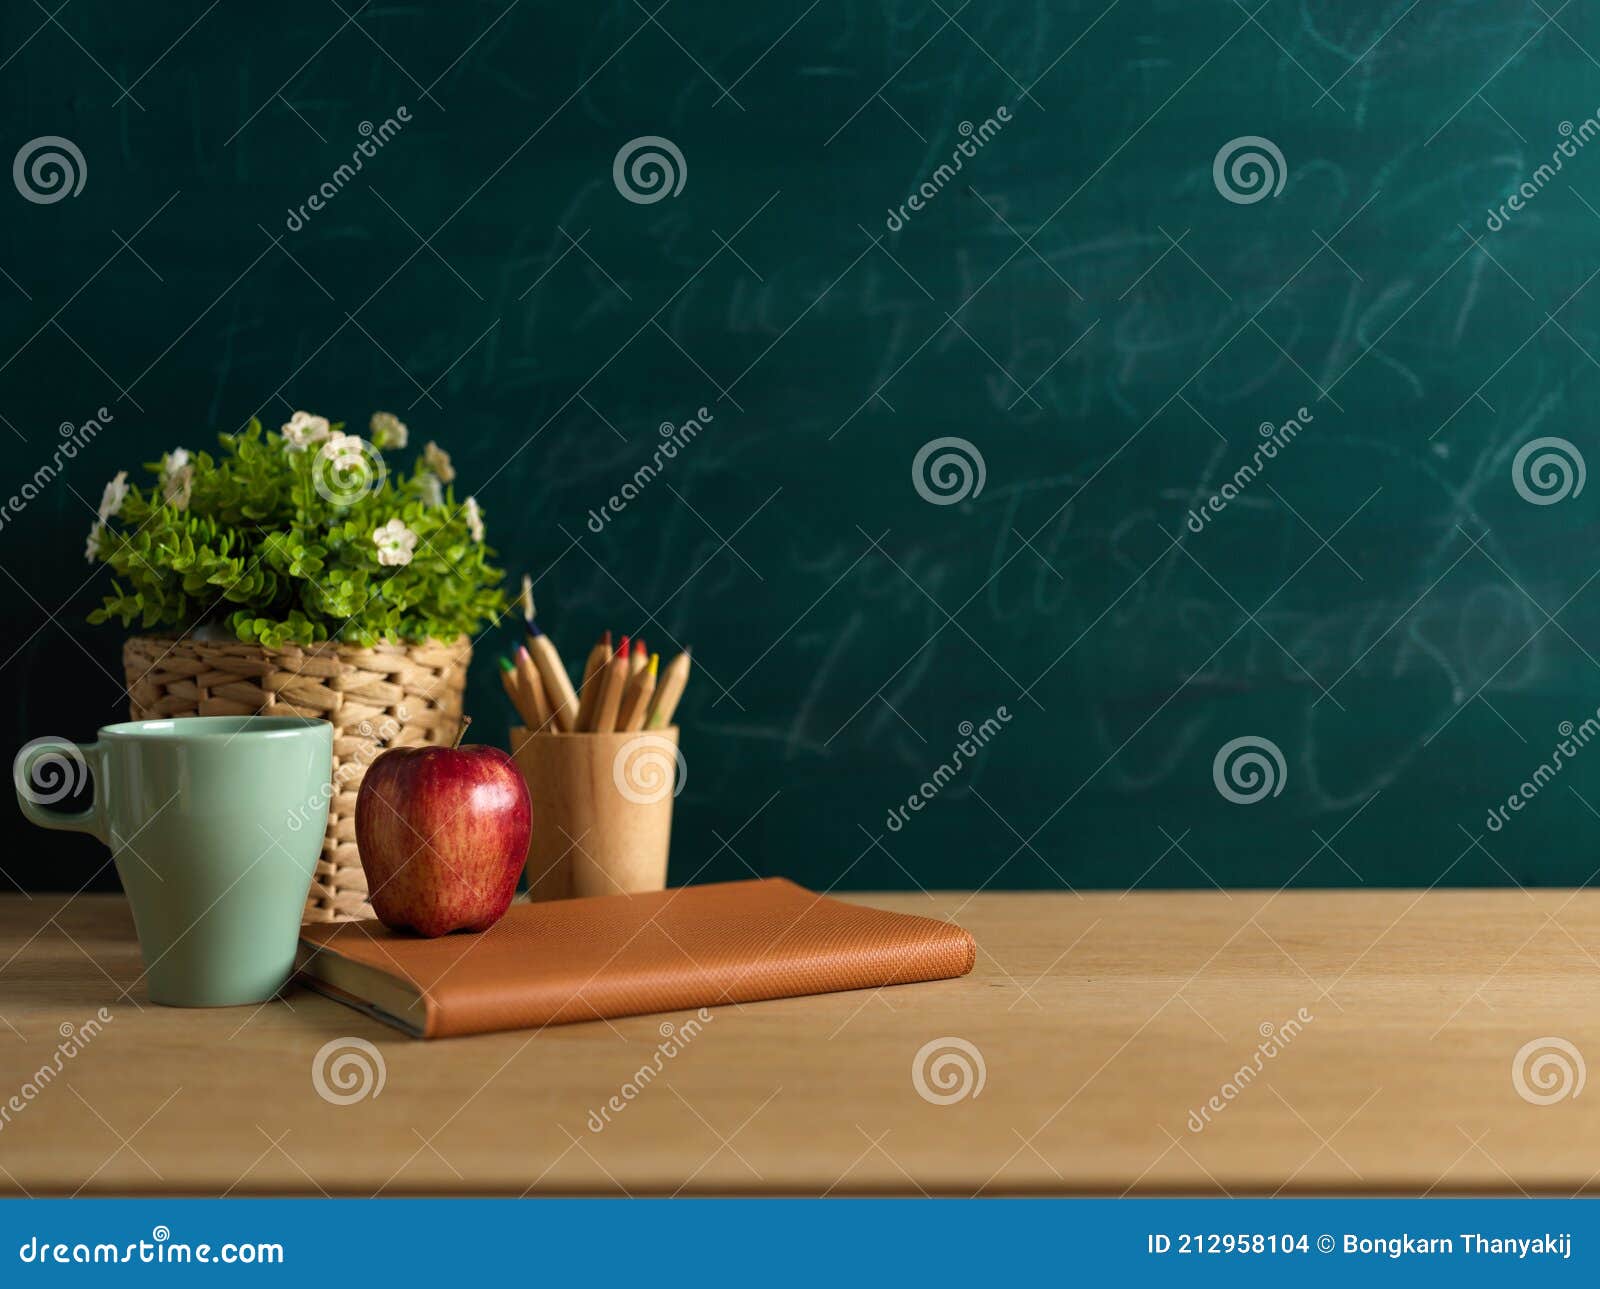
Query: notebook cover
(561, 961)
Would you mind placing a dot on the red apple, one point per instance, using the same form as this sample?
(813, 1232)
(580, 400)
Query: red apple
(443, 833)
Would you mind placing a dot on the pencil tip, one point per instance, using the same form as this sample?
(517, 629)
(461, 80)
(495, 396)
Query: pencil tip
(505, 665)
(522, 652)
(605, 638)
(622, 649)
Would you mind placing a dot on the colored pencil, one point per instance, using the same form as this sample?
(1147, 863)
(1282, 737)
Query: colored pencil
(641, 655)
(669, 692)
(598, 656)
(613, 681)
(533, 687)
(589, 691)
(508, 679)
(559, 694)
(557, 684)
(636, 701)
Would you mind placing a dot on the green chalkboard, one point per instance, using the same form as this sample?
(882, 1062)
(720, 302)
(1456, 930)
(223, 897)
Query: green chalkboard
(1086, 388)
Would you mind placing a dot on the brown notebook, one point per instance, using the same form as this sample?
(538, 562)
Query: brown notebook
(623, 955)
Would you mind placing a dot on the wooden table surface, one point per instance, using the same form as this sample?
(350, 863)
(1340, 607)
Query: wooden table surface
(1103, 1023)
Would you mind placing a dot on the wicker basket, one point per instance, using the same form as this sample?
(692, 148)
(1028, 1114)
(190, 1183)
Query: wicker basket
(375, 697)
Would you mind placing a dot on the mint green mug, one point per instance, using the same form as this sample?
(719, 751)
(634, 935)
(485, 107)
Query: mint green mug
(215, 824)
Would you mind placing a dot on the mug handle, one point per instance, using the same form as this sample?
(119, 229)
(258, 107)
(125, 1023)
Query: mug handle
(89, 755)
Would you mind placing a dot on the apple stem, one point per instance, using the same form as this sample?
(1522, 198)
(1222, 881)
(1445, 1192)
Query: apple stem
(462, 732)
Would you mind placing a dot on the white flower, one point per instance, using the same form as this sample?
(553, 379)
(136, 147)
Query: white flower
(175, 488)
(432, 490)
(303, 428)
(111, 500)
(395, 542)
(343, 449)
(177, 478)
(438, 460)
(388, 430)
(115, 494)
(474, 519)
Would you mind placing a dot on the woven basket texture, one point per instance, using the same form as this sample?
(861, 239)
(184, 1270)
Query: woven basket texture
(377, 697)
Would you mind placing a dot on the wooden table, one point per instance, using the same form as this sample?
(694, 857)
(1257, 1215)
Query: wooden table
(1102, 1022)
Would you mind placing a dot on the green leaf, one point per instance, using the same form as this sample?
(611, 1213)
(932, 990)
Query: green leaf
(258, 536)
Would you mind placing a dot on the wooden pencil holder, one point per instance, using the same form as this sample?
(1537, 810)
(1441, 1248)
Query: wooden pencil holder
(602, 810)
